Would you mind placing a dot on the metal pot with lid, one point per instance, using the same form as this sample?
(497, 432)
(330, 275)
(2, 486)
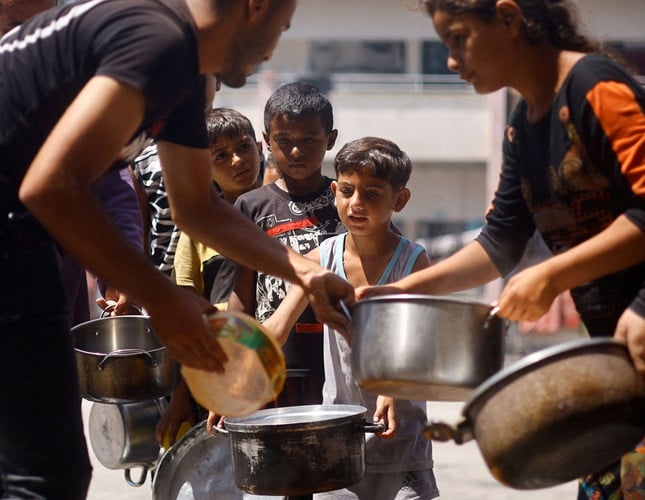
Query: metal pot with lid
(299, 450)
(555, 415)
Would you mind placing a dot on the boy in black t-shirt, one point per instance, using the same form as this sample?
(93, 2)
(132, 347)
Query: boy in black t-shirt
(297, 209)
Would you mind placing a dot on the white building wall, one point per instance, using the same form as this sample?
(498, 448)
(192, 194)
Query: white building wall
(452, 134)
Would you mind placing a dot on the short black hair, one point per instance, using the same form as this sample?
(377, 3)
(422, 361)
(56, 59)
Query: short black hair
(378, 157)
(228, 123)
(298, 99)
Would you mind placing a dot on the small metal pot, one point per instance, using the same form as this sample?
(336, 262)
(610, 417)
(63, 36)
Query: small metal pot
(119, 360)
(122, 436)
(299, 450)
(554, 416)
(422, 347)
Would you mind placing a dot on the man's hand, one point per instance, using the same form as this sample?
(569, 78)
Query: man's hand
(324, 291)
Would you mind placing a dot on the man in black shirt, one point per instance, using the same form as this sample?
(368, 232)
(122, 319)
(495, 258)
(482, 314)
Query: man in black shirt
(82, 86)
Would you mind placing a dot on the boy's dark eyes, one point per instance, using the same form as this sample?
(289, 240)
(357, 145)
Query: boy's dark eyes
(219, 156)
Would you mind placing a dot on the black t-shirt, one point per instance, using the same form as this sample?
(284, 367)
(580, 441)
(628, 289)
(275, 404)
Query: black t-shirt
(570, 175)
(147, 44)
(302, 223)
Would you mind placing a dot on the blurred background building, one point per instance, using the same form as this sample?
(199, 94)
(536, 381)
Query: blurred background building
(385, 72)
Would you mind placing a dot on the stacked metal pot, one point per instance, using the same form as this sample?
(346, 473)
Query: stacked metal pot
(126, 372)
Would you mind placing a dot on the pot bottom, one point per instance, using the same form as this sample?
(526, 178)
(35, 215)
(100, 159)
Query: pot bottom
(287, 475)
(417, 391)
(566, 450)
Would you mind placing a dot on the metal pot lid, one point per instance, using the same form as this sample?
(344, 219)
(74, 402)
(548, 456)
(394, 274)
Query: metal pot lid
(198, 466)
(301, 416)
(539, 358)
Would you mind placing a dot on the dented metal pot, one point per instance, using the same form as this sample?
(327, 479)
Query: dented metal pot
(119, 360)
(422, 347)
(299, 450)
(555, 415)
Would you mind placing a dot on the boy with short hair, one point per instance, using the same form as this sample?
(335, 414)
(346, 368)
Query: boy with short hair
(298, 209)
(236, 161)
(370, 187)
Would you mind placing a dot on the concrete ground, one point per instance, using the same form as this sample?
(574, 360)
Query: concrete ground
(460, 469)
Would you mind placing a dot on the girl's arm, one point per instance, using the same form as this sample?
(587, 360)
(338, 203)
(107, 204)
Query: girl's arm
(529, 294)
(468, 268)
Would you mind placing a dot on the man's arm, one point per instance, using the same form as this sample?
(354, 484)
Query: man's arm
(57, 188)
(200, 212)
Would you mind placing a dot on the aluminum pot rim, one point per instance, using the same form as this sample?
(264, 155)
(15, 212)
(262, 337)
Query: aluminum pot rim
(78, 332)
(535, 360)
(409, 297)
(259, 420)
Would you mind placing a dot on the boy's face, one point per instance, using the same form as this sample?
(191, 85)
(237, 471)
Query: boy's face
(235, 163)
(299, 146)
(365, 203)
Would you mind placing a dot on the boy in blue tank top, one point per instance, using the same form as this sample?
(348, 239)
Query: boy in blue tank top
(371, 177)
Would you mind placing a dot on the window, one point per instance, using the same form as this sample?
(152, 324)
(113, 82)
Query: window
(355, 56)
(434, 59)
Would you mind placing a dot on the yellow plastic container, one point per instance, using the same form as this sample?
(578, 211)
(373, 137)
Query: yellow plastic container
(254, 374)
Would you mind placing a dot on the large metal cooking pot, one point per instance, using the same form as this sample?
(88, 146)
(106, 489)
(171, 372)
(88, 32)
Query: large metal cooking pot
(555, 415)
(422, 347)
(122, 436)
(299, 450)
(197, 467)
(119, 360)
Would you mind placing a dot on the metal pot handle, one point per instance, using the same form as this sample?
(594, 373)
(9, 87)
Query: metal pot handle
(491, 314)
(142, 478)
(436, 430)
(111, 307)
(125, 352)
(371, 426)
(345, 309)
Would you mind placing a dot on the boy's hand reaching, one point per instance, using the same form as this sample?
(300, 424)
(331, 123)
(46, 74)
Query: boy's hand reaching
(213, 422)
(385, 413)
(118, 303)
